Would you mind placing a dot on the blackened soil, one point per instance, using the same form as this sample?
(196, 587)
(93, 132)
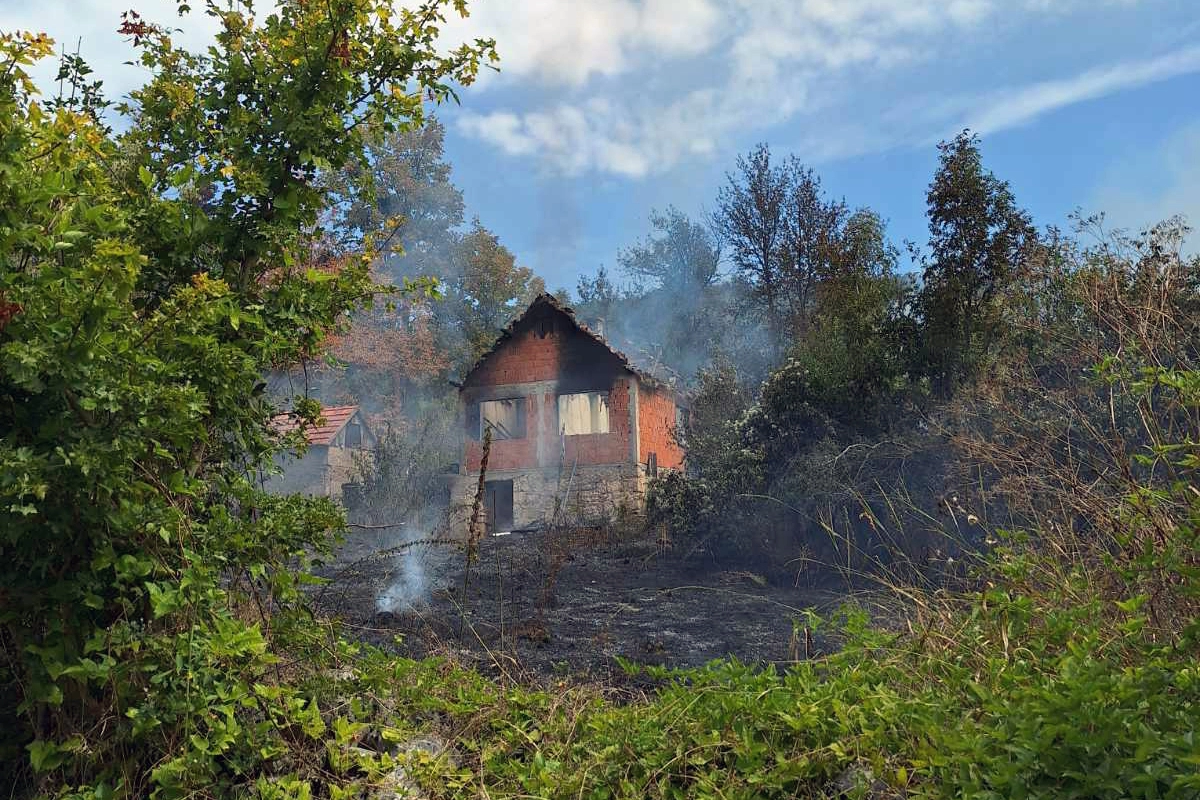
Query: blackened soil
(570, 604)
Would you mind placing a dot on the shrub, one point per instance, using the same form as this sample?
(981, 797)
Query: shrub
(147, 281)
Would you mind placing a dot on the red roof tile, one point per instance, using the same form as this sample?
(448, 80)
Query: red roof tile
(335, 418)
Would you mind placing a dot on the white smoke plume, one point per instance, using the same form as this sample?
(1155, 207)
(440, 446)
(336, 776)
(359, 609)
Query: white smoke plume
(407, 587)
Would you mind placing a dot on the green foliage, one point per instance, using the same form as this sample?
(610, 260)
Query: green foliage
(790, 243)
(1003, 692)
(721, 462)
(1068, 670)
(488, 290)
(681, 255)
(598, 297)
(978, 238)
(414, 204)
(836, 384)
(147, 280)
(154, 638)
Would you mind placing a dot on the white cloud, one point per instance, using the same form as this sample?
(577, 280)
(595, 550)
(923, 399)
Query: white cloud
(1020, 106)
(601, 135)
(773, 63)
(925, 118)
(778, 61)
(637, 87)
(566, 42)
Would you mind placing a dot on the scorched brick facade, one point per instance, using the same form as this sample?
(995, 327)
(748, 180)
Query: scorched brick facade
(574, 424)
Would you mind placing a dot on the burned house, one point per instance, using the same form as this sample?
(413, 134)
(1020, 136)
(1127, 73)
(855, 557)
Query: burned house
(327, 466)
(574, 424)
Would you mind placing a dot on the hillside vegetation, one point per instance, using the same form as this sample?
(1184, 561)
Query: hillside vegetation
(1003, 447)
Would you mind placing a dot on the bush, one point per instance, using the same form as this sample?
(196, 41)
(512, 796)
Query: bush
(147, 281)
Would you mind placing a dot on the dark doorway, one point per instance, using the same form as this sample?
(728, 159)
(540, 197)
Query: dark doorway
(498, 501)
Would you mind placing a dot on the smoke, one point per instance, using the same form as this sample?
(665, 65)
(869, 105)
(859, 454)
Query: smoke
(674, 332)
(415, 568)
(407, 588)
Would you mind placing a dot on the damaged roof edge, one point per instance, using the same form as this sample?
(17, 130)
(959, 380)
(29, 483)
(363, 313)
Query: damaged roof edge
(549, 300)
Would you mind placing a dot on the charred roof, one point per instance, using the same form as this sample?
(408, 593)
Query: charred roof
(544, 301)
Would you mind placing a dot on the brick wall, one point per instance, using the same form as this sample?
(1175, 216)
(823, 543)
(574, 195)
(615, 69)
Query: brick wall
(509, 453)
(604, 448)
(656, 428)
(542, 446)
(543, 358)
(534, 353)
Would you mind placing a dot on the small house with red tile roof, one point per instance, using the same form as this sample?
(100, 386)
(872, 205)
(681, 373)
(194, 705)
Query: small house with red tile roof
(574, 424)
(340, 437)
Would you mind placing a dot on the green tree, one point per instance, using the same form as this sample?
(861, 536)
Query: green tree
(811, 246)
(392, 355)
(680, 256)
(415, 214)
(787, 238)
(856, 342)
(598, 297)
(147, 281)
(750, 220)
(414, 204)
(673, 315)
(485, 289)
(978, 236)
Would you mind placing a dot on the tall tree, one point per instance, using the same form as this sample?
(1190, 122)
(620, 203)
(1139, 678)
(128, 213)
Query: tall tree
(811, 245)
(785, 237)
(750, 219)
(147, 280)
(392, 353)
(414, 209)
(977, 237)
(485, 290)
(679, 256)
(598, 297)
(858, 319)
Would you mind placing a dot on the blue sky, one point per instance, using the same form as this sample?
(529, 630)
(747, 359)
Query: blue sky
(606, 109)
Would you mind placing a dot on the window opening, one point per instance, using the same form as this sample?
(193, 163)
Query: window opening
(506, 418)
(585, 412)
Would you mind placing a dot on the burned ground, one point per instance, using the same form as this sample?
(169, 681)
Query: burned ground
(572, 604)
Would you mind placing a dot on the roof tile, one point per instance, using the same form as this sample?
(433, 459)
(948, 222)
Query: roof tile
(335, 418)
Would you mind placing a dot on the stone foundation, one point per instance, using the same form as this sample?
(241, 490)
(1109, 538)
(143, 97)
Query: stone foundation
(591, 494)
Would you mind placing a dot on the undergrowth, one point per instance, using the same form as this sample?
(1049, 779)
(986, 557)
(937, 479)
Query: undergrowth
(1051, 677)
(998, 694)
(1063, 666)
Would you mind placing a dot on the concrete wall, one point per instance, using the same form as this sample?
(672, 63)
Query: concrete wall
(319, 473)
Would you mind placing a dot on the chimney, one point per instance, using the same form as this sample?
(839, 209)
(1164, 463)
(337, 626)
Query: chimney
(598, 327)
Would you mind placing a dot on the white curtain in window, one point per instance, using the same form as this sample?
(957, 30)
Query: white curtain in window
(503, 417)
(583, 413)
